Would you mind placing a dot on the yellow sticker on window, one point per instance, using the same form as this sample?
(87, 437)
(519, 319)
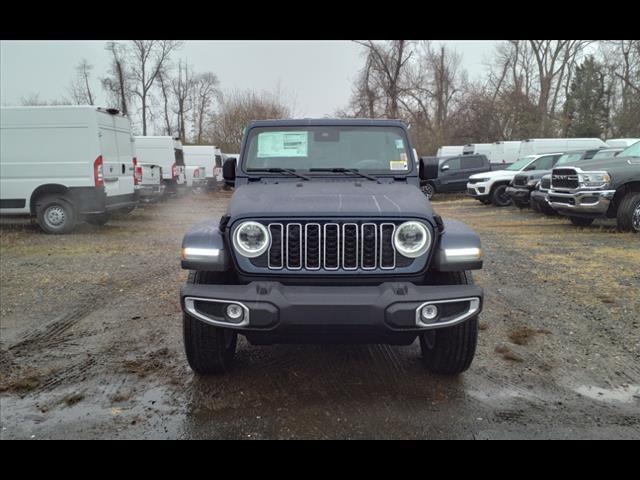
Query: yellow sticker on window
(398, 165)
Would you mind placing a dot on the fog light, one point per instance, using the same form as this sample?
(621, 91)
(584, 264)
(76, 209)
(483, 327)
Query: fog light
(429, 312)
(234, 312)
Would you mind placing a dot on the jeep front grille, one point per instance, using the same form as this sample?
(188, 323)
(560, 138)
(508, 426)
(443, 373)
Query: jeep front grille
(564, 178)
(331, 246)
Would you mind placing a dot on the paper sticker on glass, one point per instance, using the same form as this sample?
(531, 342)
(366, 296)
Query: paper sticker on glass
(282, 144)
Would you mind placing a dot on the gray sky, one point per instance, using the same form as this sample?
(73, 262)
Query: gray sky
(316, 74)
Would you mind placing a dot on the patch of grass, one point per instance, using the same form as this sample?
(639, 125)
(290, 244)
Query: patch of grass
(73, 398)
(21, 384)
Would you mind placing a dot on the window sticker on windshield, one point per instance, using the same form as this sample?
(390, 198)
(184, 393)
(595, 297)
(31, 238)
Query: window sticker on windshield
(399, 144)
(398, 165)
(282, 144)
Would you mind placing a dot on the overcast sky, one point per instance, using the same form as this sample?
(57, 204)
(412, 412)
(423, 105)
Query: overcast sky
(317, 74)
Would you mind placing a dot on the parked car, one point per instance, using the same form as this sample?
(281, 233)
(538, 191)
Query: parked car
(167, 152)
(196, 178)
(538, 198)
(327, 238)
(604, 188)
(538, 146)
(607, 153)
(450, 150)
(523, 184)
(148, 180)
(453, 173)
(491, 187)
(207, 156)
(65, 164)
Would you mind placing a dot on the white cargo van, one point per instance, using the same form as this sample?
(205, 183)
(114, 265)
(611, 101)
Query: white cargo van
(203, 156)
(537, 146)
(168, 153)
(64, 164)
(450, 150)
(148, 179)
(622, 142)
(505, 153)
(478, 149)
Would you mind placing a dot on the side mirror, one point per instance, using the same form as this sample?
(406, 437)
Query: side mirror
(445, 168)
(229, 171)
(428, 168)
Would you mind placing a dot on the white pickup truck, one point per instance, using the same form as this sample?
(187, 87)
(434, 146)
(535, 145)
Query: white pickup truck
(490, 187)
(65, 164)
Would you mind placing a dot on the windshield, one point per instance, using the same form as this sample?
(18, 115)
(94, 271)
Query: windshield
(520, 164)
(632, 151)
(383, 150)
(568, 157)
(605, 154)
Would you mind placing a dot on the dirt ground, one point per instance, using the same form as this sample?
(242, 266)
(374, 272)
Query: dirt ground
(91, 342)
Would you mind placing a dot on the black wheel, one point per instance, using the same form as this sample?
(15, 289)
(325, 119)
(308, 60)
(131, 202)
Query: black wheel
(55, 214)
(428, 190)
(451, 350)
(98, 219)
(581, 221)
(209, 349)
(629, 213)
(499, 196)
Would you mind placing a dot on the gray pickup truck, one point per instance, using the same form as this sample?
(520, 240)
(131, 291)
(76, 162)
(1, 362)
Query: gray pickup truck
(603, 188)
(328, 238)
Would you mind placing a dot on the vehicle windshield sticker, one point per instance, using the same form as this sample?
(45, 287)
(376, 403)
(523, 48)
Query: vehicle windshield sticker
(282, 144)
(399, 144)
(398, 165)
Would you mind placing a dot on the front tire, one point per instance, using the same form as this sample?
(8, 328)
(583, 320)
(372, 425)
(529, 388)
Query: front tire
(450, 351)
(581, 221)
(499, 196)
(628, 217)
(55, 214)
(209, 349)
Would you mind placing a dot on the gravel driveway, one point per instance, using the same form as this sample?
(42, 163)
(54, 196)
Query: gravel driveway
(91, 346)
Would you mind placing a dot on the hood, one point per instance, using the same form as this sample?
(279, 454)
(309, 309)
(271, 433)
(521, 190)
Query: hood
(598, 164)
(349, 198)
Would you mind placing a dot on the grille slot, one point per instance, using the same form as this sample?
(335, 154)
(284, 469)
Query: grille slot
(566, 178)
(545, 183)
(331, 246)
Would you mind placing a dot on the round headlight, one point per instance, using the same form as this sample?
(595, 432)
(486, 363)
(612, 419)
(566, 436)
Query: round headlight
(412, 239)
(251, 239)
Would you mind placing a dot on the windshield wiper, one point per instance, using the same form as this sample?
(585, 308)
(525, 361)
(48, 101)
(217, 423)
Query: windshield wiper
(344, 170)
(279, 170)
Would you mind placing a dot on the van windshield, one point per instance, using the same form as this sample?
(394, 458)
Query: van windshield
(520, 164)
(373, 149)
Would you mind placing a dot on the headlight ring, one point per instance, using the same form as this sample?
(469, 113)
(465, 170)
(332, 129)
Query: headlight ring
(412, 239)
(251, 239)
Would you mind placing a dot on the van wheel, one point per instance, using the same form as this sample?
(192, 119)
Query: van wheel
(209, 349)
(451, 350)
(55, 214)
(499, 196)
(629, 213)
(581, 221)
(428, 190)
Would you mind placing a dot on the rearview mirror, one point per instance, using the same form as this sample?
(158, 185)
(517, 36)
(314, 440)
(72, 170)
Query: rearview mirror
(229, 171)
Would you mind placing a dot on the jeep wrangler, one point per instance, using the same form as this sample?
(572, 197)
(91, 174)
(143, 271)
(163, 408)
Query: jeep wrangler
(328, 239)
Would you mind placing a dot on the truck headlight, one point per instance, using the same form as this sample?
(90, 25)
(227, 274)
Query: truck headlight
(594, 179)
(412, 239)
(251, 239)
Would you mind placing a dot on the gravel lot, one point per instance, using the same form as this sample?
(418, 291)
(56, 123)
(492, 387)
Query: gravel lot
(91, 346)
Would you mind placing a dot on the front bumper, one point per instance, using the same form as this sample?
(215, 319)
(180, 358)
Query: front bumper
(584, 202)
(478, 190)
(519, 193)
(277, 313)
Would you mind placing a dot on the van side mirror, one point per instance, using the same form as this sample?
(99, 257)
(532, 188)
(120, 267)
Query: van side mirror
(229, 171)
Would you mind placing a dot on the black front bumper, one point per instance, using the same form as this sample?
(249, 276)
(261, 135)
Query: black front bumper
(277, 313)
(522, 194)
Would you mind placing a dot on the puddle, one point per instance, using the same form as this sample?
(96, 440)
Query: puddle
(623, 394)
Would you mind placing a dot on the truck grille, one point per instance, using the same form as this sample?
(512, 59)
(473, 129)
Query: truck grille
(331, 246)
(520, 180)
(566, 178)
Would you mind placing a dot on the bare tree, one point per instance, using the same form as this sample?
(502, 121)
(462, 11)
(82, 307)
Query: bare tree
(147, 58)
(80, 88)
(116, 83)
(165, 90)
(237, 109)
(182, 86)
(204, 91)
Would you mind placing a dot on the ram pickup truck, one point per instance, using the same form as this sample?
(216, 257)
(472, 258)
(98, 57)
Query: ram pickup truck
(491, 187)
(538, 198)
(328, 238)
(452, 173)
(523, 184)
(605, 188)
